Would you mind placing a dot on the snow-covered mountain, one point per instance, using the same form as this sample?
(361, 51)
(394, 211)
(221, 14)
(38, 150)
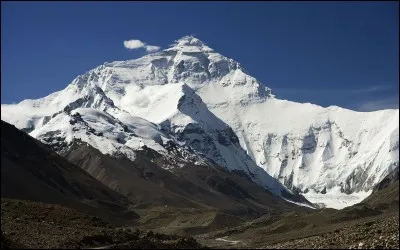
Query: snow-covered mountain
(213, 112)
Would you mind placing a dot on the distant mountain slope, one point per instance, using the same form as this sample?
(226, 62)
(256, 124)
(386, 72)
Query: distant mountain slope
(385, 193)
(31, 171)
(147, 184)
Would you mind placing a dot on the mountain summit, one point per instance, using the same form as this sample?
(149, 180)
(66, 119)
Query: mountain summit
(192, 104)
(189, 44)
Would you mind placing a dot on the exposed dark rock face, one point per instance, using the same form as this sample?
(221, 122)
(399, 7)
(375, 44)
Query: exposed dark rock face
(392, 177)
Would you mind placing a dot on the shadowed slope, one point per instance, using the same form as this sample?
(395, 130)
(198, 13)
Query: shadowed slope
(31, 171)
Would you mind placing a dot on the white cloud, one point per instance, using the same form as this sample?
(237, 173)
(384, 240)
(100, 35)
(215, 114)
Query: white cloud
(389, 103)
(152, 48)
(329, 91)
(134, 44)
(369, 98)
(376, 88)
(137, 44)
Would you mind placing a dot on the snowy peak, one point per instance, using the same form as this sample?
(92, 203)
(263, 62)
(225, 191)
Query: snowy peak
(208, 104)
(189, 44)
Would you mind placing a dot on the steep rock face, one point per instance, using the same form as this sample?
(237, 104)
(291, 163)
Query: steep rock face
(208, 106)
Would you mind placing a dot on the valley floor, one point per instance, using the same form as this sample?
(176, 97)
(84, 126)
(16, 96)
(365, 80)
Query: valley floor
(377, 232)
(26, 224)
(39, 225)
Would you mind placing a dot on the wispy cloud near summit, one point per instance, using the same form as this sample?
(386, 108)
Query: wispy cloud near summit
(368, 98)
(330, 91)
(388, 103)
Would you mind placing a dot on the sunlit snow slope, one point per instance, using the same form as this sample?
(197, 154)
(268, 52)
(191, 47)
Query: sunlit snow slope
(208, 104)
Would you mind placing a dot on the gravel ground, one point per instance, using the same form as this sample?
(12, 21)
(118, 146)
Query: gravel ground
(28, 224)
(382, 233)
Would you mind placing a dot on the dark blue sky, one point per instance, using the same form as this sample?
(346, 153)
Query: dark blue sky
(327, 53)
